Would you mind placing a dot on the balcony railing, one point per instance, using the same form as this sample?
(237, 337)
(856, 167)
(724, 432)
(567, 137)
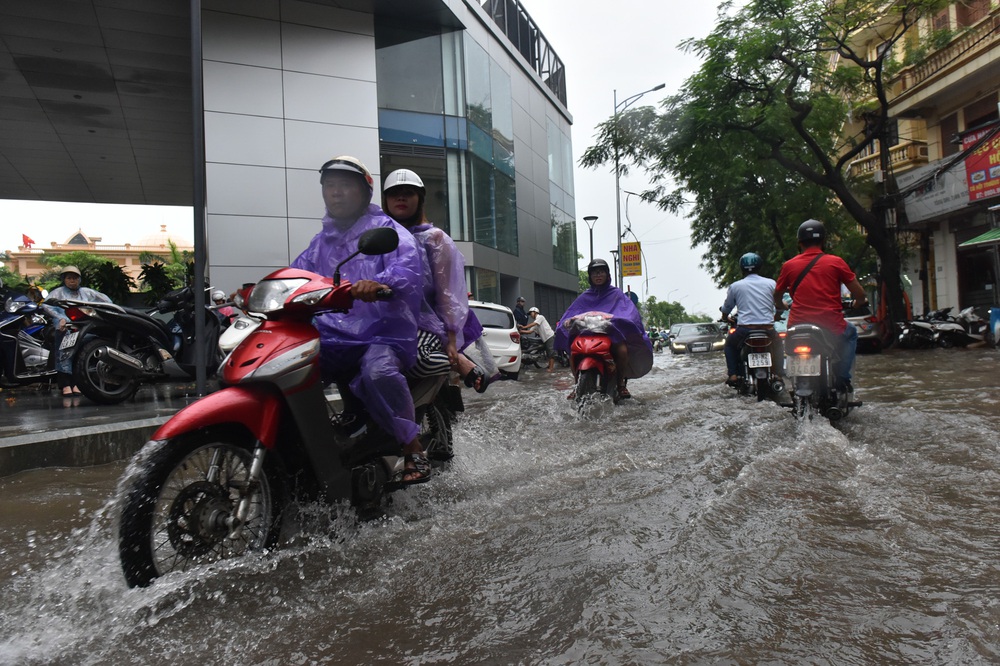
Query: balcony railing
(902, 157)
(529, 41)
(979, 37)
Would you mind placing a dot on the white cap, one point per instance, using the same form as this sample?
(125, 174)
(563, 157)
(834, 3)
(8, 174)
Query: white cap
(403, 177)
(530, 310)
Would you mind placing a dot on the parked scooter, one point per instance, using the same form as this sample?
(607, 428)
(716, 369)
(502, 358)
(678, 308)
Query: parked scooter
(115, 348)
(961, 330)
(214, 481)
(590, 357)
(26, 354)
(810, 357)
(533, 353)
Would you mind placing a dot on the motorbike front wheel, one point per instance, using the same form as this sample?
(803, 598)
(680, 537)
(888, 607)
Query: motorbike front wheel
(179, 504)
(98, 379)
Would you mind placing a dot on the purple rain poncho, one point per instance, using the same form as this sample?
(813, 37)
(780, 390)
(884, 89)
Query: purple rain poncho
(392, 322)
(445, 307)
(625, 326)
(379, 338)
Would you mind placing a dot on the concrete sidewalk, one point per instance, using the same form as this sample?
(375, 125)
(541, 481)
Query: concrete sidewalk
(41, 428)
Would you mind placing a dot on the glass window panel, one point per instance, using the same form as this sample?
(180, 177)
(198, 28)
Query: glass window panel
(555, 152)
(477, 85)
(503, 159)
(454, 81)
(506, 213)
(481, 198)
(412, 129)
(487, 286)
(480, 143)
(409, 75)
(456, 133)
(503, 106)
(458, 196)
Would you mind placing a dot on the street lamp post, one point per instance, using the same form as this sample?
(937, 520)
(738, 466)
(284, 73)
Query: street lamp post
(621, 106)
(591, 220)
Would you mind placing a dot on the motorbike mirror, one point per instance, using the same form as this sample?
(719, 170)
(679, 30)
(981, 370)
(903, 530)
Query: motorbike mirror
(378, 241)
(382, 240)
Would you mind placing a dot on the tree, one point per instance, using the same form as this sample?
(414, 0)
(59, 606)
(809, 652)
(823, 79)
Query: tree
(98, 273)
(756, 134)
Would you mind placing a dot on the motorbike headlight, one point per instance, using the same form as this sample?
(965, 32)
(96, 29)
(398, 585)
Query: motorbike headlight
(13, 306)
(269, 295)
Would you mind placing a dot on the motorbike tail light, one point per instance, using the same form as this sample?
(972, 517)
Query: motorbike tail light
(515, 337)
(77, 313)
(802, 349)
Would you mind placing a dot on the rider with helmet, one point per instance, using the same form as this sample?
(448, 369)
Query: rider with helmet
(753, 298)
(813, 279)
(366, 349)
(446, 324)
(632, 350)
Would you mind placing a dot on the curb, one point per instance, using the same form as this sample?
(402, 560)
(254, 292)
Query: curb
(76, 447)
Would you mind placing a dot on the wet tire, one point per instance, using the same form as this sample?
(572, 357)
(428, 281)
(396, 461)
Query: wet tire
(588, 384)
(435, 433)
(98, 379)
(177, 500)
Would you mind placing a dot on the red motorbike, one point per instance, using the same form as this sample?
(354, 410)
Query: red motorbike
(215, 480)
(590, 357)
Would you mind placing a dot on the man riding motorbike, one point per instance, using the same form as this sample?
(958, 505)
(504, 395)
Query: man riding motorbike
(813, 280)
(753, 298)
(366, 349)
(631, 348)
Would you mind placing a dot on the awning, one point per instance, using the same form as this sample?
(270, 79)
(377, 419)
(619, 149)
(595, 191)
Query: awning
(991, 236)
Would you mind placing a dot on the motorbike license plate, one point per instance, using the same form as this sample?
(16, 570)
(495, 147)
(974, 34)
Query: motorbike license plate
(758, 360)
(68, 340)
(804, 366)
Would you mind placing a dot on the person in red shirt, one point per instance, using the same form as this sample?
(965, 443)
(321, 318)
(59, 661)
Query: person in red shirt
(816, 297)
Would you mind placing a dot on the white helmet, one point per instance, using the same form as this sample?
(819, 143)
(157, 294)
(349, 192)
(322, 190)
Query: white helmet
(351, 165)
(532, 310)
(218, 296)
(403, 177)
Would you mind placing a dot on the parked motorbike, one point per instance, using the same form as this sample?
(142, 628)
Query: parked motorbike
(964, 329)
(217, 480)
(811, 353)
(590, 357)
(26, 354)
(533, 353)
(115, 348)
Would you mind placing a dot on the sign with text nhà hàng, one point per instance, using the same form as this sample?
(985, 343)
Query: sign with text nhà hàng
(631, 259)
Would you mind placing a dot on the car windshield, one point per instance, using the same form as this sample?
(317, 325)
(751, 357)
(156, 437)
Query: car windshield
(701, 329)
(493, 318)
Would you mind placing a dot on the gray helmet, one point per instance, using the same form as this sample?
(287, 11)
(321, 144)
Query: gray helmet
(596, 264)
(812, 232)
(750, 262)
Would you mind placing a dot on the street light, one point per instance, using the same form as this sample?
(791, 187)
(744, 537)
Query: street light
(621, 106)
(591, 220)
(614, 254)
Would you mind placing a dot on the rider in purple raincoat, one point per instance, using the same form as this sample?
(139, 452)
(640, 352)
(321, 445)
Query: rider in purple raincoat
(631, 347)
(375, 341)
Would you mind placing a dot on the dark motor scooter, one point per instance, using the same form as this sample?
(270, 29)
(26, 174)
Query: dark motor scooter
(215, 481)
(26, 354)
(115, 349)
(810, 356)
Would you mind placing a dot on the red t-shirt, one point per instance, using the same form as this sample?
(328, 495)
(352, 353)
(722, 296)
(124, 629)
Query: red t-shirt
(817, 298)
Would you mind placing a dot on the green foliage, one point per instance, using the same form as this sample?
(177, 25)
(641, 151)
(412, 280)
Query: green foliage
(662, 314)
(111, 279)
(11, 279)
(752, 144)
(156, 282)
(161, 274)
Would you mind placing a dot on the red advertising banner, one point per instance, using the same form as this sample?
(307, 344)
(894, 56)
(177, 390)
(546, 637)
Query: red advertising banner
(982, 167)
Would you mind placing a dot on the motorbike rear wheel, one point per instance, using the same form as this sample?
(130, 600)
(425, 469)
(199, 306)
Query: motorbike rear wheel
(177, 503)
(98, 380)
(588, 384)
(435, 433)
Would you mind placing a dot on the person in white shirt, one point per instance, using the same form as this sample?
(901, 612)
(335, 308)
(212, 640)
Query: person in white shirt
(753, 298)
(538, 322)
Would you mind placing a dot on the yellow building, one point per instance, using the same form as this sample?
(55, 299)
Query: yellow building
(944, 153)
(25, 261)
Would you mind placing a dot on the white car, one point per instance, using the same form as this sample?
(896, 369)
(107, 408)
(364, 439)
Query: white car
(501, 336)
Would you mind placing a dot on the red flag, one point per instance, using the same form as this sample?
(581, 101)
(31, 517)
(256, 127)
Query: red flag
(27, 242)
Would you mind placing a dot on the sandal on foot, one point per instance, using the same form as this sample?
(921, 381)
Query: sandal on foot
(572, 395)
(623, 392)
(477, 375)
(418, 465)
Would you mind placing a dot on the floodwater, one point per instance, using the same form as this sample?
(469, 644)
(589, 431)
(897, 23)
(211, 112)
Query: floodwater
(689, 526)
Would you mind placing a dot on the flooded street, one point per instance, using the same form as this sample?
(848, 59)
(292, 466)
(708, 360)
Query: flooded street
(688, 526)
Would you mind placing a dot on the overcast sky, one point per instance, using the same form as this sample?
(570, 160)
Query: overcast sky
(628, 46)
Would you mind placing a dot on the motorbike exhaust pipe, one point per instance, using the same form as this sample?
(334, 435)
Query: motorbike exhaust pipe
(121, 361)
